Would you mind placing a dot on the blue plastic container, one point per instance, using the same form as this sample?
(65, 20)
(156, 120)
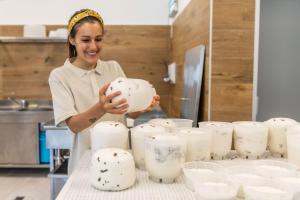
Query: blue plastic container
(44, 152)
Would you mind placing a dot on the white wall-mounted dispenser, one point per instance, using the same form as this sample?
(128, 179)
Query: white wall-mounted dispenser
(172, 72)
(171, 76)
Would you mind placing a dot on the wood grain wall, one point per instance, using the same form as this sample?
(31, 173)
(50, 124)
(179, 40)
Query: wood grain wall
(190, 29)
(232, 59)
(232, 56)
(141, 51)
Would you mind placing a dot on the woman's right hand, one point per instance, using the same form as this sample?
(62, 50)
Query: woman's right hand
(118, 107)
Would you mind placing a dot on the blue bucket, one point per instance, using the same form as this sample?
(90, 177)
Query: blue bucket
(44, 152)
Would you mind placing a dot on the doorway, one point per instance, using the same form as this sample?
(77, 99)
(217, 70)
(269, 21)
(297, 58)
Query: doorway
(277, 65)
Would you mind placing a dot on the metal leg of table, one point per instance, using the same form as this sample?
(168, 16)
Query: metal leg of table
(51, 160)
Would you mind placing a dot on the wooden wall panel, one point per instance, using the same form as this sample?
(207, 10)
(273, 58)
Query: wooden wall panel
(190, 29)
(232, 59)
(1, 85)
(141, 51)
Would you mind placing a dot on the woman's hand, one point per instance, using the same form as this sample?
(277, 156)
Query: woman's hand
(118, 107)
(154, 102)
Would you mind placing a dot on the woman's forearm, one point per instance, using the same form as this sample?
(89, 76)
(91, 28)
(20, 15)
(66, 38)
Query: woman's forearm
(83, 120)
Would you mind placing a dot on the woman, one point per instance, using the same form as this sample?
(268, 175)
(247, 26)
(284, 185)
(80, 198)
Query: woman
(78, 87)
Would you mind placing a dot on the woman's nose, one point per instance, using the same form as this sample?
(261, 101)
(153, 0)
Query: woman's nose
(93, 44)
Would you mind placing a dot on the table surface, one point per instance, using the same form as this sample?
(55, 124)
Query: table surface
(78, 187)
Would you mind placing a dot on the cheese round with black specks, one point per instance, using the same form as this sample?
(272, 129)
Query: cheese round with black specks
(112, 169)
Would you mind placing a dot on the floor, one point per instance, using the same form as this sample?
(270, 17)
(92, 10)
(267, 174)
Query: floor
(24, 184)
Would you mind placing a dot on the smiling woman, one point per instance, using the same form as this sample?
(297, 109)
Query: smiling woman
(78, 87)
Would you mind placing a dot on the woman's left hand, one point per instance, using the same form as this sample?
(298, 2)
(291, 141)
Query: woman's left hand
(154, 102)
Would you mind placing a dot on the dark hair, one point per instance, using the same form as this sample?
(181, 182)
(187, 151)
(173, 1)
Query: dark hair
(73, 32)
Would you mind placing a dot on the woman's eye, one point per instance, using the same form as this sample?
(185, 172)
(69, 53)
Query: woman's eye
(99, 39)
(85, 40)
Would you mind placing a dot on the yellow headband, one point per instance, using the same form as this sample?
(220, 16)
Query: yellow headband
(82, 15)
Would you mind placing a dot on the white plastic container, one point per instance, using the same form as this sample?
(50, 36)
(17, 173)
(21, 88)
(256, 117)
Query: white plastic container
(109, 134)
(169, 124)
(138, 135)
(221, 138)
(199, 171)
(267, 192)
(277, 135)
(250, 139)
(244, 176)
(182, 122)
(198, 143)
(290, 184)
(275, 168)
(112, 169)
(138, 93)
(216, 190)
(293, 145)
(164, 157)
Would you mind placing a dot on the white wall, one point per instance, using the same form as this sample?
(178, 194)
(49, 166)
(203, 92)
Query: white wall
(181, 5)
(114, 12)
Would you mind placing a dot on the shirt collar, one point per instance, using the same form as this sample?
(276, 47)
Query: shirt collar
(83, 72)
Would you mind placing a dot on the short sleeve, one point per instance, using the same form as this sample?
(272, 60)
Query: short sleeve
(63, 100)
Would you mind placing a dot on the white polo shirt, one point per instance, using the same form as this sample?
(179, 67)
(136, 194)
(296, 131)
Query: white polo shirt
(75, 90)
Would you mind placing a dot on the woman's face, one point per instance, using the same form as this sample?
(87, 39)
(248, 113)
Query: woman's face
(88, 44)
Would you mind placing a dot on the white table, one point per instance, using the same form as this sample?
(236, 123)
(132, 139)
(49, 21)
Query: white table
(78, 187)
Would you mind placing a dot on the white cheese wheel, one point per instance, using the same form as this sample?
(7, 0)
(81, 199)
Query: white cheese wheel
(198, 143)
(221, 137)
(169, 124)
(108, 134)
(138, 135)
(112, 169)
(250, 139)
(277, 134)
(164, 157)
(137, 92)
(293, 147)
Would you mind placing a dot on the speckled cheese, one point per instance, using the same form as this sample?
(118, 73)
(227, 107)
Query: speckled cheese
(112, 169)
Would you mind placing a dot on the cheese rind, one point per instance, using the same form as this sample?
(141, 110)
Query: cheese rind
(112, 169)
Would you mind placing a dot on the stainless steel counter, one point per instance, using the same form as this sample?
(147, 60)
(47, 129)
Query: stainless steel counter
(19, 143)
